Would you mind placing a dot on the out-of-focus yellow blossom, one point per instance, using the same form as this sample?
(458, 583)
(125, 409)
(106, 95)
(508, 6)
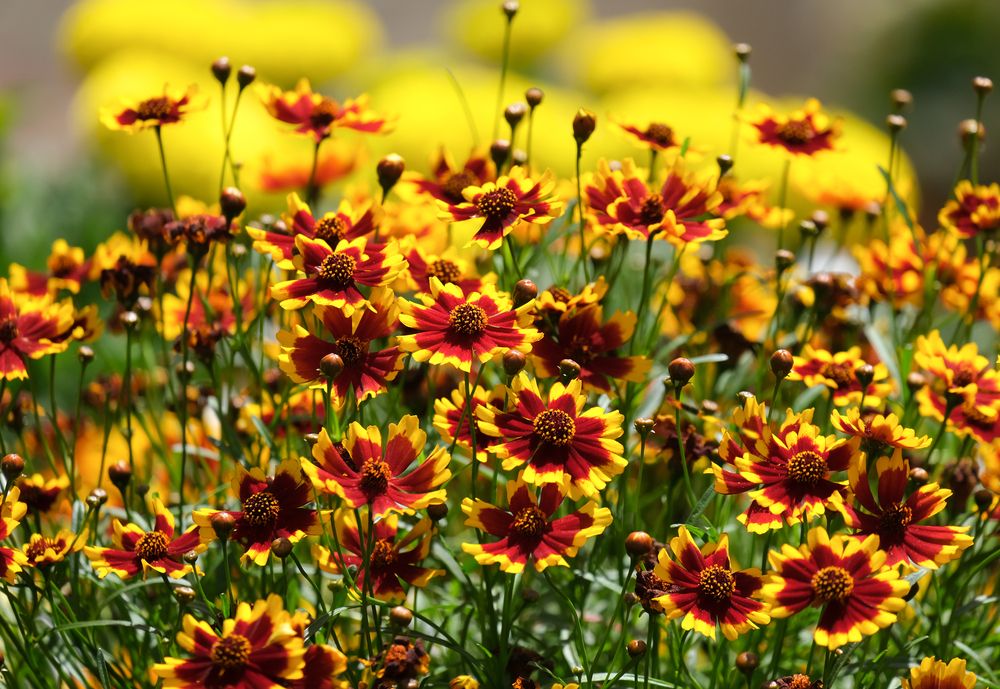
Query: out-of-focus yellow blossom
(283, 40)
(477, 26)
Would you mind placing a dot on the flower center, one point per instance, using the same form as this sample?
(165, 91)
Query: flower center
(895, 518)
(807, 467)
(338, 269)
(529, 522)
(796, 132)
(330, 229)
(261, 509)
(62, 266)
(323, 114)
(455, 184)
(842, 374)
(800, 682)
(152, 546)
(375, 476)
(832, 584)
(383, 554)
(652, 210)
(36, 549)
(468, 319)
(555, 427)
(350, 349)
(716, 582)
(660, 134)
(560, 295)
(231, 652)
(496, 204)
(444, 270)
(965, 374)
(8, 330)
(153, 109)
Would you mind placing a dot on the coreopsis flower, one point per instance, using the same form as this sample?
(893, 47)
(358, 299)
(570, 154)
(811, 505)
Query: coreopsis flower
(272, 507)
(321, 665)
(334, 275)
(682, 211)
(212, 308)
(665, 440)
(447, 180)
(39, 493)
(496, 207)
(448, 267)
(656, 136)
(583, 336)
(42, 551)
(559, 300)
(974, 211)
(30, 328)
(198, 233)
(877, 431)
(798, 681)
(316, 115)
(804, 132)
(456, 328)
(836, 370)
(367, 370)
(258, 648)
(786, 472)
(365, 471)
(962, 384)
(346, 223)
(67, 265)
(12, 512)
(847, 577)
(392, 562)
(749, 200)
(124, 267)
(451, 418)
(138, 550)
(136, 115)
(703, 587)
(554, 440)
(895, 518)
(400, 663)
(936, 674)
(528, 531)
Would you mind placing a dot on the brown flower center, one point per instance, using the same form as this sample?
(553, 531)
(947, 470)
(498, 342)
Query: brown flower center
(800, 682)
(330, 229)
(529, 522)
(8, 330)
(555, 427)
(351, 349)
(660, 134)
(807, 467)
(965, 374)
(832, 584)
(444, 270)
(468, 319)
(338, 269)
(842, 374)
(496, 204)
(36, 549)
(153, 109)
(231, 652)
(323, 114)
(261, 509)
(455, 184)
(560, 295)
(375, 476)
(152, 546)
(716, 582)
(652, 210)
(796, 132)
(895, 518)
(383, 554)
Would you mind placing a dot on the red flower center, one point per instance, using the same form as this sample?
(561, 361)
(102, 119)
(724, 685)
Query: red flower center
(555, 427)
(152, 546)
(8, 330)
(807, 467)
(716, 582)
(261, 509)
(468, 319)
(894, 519)
(231, 652)
(455, 184)
(796, 132)
(153, 109)
(842, 374)
(444, 270)
(350, 349)
(660, 134)
(652, 210)
(383, 554)
(832, 584)
(496, 204)
(330, 229)
(529, 522)
(337, 269)
(374, 477)
(36, 549)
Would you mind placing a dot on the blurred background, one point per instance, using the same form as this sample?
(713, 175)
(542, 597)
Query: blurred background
(63, 175)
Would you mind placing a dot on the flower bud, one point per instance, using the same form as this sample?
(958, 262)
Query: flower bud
(184, 371)
(808, 229)
(190, 557)
(983, 499)
(643, 426)
(510, 8)
(120, 473)
(569, 370)
(584, 124)
(865, 373)
(12, 466)
(635, 648)
(97, 497)
(232, 202)
(783, 260)
(744, 396)
(281, 547)
(681, 371)
(85, 354)
(524, 291)
(129, 319)
(534, 96)
(183, 594)
(245, 76)
(915, 381)
(982, 85)
(514, 113)
(331, 365)
(919, 476)
(437, 511)
(725, 163)
(901, 98)
(311, 438)
(400, 616)
(223, 524)
(389, 170)
(821, 219)
(638, 543)
(781, 363)
(499, 153)
(513, 362)
(742, 51)
(221, 69)
(970, 129)
(895, 123)
(747, 662)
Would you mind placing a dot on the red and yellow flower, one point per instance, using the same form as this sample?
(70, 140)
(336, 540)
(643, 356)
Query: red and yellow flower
(559, 300)
(895, 518)
(447, 180)
(134, 116)
(272, 507)
(391, 562)
(364, 471)
(847, 577)
(212, 308)
(527, 530)
(836, 370)
(68, 268)
(366, 371)
(804, 132)
(346, 223)
(316, 115)
(553, 440)
(974, 211)
(138, 550)
(704, 588)
(451, 418)
(334, 276)
(259, 648)
(12, 512)
(496, 207)
(30, 328)
(39, 493)
(448, 267)
(456, 328)
(878, 431)
(936, 674)
(42, 551)
(656, 136)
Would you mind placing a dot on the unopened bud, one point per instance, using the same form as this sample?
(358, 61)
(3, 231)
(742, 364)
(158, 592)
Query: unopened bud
(331, 365)
(747, 662)
(400, 616)
(499, 153)
(534, 97)
(232, 202)
(725, 163)
(783, 260)
(223, 524)
(781, 363)
(865, 373)
(919, 476)
(569, 370)
(982, 85)
(681, 371)
(638, 543)
(12, 466)
(120, 473)
(901, 98)
(437, 511)
(513, 362)
(184, 594)
(895, 122)
(742, 51)
(510, 8)
(129, 319)
(584, 124)
(643, 426)
(85, 354)
(245, 76)
(635, 648)
(281, 547)
(524, 291)
(514, 113)
(389, 170)
(221, 69)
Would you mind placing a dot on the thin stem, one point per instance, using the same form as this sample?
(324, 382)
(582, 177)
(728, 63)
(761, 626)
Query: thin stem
(166, 175)
(782, 200)
(182, 395)
(312, 191)
(504, 60)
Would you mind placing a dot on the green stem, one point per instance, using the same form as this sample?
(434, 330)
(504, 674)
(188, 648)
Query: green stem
(166, 175)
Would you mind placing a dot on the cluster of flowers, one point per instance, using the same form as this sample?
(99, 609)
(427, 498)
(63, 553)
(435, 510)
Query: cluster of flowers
(527, 403)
